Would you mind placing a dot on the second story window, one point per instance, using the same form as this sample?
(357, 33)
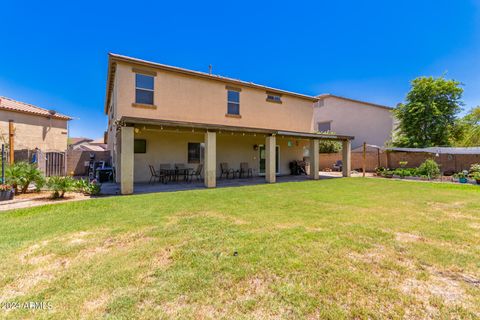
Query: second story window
(233, 102)
(143, 89)
(324, 126)
(274, 97)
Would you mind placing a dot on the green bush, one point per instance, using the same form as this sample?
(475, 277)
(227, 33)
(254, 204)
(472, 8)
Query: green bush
(86, 187)
(429, 168)
(21, 174)
(60, 185)
(474, 168)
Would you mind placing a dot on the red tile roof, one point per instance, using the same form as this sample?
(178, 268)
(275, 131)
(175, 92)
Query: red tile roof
(17, 106)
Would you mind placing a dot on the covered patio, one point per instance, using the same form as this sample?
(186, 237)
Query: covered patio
(266, 153)
(140, 188)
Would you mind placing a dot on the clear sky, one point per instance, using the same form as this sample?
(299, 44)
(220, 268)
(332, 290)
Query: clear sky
(54, 54)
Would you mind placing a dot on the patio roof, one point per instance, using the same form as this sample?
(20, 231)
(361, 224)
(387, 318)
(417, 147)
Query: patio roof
(217, 127)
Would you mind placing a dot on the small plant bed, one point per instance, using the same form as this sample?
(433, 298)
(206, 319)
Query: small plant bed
(26, 186)
(430, 171)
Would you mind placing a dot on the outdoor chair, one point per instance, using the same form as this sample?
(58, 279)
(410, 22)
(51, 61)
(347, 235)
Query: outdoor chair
(226, 171)
(182, 170)
(245, 171)
(196, 173)
(338, 165)
(155, 175)
(167, 171)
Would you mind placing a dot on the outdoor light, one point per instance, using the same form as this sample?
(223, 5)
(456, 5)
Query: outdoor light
(255, 147)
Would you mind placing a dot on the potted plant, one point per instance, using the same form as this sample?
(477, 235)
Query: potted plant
(6, 192)
(476, 176)
(461, 176)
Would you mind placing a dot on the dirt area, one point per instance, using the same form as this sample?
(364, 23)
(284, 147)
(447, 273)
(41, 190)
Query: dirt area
(33, 199)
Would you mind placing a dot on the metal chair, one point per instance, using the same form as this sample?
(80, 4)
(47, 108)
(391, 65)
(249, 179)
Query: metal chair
(181, 170)
(245, 170)
(338, 165)
(225, 170)
(154, 175)
(197, 173)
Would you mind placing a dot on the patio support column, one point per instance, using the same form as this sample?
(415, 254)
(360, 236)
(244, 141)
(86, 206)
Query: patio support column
(126, 160)
(314, 159)
(210, 174)
(270, 156)
(346, 158)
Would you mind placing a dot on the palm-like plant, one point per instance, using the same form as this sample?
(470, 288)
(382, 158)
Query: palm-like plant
(60, 185)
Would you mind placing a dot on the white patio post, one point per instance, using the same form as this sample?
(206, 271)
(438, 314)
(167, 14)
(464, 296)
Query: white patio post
(346, 158)
(210, 174)
(126, 160)
(270, 156)
(314, 159)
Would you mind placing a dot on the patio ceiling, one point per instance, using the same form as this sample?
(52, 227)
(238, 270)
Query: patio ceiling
(131, 121)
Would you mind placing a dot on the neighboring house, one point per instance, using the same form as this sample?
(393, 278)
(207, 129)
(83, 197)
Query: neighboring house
(86, 144)
(367, 122)
(34, 127)
(159, 114)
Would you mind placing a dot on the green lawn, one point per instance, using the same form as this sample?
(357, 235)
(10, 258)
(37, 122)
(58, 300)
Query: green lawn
(340, 248)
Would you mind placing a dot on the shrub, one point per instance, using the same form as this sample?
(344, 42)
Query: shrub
(60, 185)
(86, 187)
(22, 174)
(429, 168)
(476, 176)
(402, 172)
(474, 168)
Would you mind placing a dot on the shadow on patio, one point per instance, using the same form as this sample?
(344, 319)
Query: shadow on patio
(114, 188)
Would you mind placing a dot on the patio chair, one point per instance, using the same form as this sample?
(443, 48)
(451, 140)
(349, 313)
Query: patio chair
(196, 173)
(245, 170)
(337, 166)
(181, 170)
(225, 170)
(155, 175)
(167, 171)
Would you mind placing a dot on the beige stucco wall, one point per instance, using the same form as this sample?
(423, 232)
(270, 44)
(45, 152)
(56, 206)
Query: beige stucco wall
(186, 98)
(172, 147)
(365, 122)
(34, 131)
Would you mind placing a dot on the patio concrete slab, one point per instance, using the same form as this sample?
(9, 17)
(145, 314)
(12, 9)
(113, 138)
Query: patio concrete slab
(114, 188)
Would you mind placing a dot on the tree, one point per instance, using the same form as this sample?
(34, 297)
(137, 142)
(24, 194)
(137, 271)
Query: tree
(427, 118)
(469, 129)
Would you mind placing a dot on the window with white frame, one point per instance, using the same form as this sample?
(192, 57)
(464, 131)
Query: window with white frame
(144, 85)
(233, 102)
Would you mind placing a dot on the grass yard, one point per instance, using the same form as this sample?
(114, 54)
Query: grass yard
(340, 248)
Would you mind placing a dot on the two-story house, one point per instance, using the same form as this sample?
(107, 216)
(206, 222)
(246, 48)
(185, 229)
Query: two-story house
(160, 114)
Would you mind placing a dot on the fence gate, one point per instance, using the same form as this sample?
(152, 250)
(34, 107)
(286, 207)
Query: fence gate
(54, 163)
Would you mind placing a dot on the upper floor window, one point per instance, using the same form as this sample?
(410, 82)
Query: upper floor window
(324, 126)
(274, 97)
(233, 102)
(143, 89)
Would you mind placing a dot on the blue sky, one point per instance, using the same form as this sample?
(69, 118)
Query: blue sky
(54, 54)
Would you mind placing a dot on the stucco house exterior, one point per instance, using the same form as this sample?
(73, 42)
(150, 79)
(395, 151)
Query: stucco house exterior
(34, 127)
(159, 114)
(367, 122)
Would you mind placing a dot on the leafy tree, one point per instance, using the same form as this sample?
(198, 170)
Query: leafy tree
(427, 118)
(469, 129)
(329, 146)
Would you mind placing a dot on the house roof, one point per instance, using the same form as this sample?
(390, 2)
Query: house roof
(329, 95)
(121, 58)
(77, 140)
(17, 106)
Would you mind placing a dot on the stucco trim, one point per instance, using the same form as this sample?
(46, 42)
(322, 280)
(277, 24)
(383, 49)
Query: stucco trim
(145, 72)
(233, 115)
(144, 106)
